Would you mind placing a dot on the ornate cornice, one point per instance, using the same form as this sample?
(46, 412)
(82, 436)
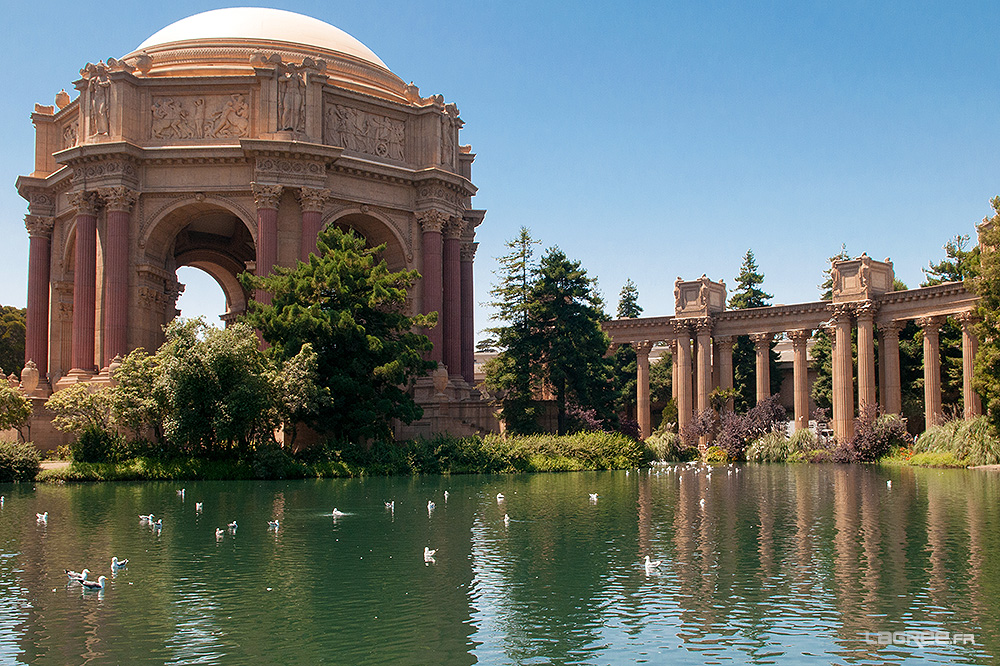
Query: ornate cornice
(930, 324)
(266, 196)
(431, 220)
(38, 226)
(85, 203)
(313, 200)
(119, 198)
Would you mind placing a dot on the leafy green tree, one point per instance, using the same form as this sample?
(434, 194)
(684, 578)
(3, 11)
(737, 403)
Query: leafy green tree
(624, 360)
(81, 407)
(565, 318)
(348, 305)
(137, 399)
(12, 337)
(15, 409)
(217, 386)
(511, 372)
(959, 264)
(987, 285)
(748, 294)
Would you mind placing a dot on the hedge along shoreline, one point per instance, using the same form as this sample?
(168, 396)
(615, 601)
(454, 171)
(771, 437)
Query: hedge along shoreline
(490, 454)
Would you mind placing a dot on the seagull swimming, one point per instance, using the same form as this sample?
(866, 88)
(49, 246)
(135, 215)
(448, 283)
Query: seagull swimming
(180, 493)
(145, 519)
(76, 577)
(42, 517)
(197, 506)
(272, 524)
(593, 497)
(499, 497)
(232, 526)
(94, 584)
(117, 564)
(337, 513)
(446, 496)
(430, 505)
(391, 505)
(652, 564)
(219, 533)
(429, 554)
(888, 484)
(702, 502)
(506, 520)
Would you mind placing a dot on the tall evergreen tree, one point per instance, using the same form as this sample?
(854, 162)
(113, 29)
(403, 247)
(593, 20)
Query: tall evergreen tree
(625, 365)
(566, 315)
(748, 294)
(511, 371)
(12, 337)
(987, 285)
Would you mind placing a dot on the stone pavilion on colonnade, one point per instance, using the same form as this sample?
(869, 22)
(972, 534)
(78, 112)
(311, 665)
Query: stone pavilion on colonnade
(226, 141)
(701, 335)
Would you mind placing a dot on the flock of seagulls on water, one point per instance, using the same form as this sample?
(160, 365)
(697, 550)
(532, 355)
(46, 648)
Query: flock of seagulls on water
(156, 524)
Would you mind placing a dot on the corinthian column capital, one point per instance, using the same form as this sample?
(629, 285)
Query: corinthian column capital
(266, 196)
(312, 199)
(86, 203)
(468, 251)
(39, 227)
(431, 220)
(454, 228)
(761, 340)
(118, 198)
(930, 324)
(865, 310)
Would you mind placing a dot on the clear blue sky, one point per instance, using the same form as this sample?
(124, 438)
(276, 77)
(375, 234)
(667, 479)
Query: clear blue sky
(647, 139)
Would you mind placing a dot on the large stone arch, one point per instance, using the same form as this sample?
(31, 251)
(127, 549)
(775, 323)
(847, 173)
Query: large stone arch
(376, 230)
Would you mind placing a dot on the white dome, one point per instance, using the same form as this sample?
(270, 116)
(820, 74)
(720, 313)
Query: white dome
(257, 23)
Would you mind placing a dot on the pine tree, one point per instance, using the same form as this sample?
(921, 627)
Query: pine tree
(987, 285)
(628, 301)
(748, 294)
(624, 361)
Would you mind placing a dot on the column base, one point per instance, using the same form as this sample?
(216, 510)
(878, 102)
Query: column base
(75, 376)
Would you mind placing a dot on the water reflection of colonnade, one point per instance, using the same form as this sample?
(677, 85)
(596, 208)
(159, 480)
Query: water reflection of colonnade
(702, 332)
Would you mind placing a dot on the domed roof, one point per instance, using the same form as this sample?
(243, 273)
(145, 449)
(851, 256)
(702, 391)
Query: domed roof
(259, 24)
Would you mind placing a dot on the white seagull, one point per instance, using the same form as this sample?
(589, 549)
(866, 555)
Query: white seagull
(94, 584)
(430, 505)
(117, 564)
(145, 519)
(506, 520)
(446, 496)
(429, 554)
(337, 513)
(652, 564)
(593, 497)
(180, 493)
(76, 577)
(42, 517)
(888, 484)
(219, 533)
(232, 526)
(500, 497)
(272, 525)
(197, 506)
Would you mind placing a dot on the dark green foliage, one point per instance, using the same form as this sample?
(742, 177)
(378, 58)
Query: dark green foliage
(748, 294)
(19, 461)
(661, 379)
(628, 301)
(95, 445)
(987, 286)
(270, 461)
(565, 316)
(959, 264)
(624, 368)
(349, 307)
(12, 338)
(972, 442)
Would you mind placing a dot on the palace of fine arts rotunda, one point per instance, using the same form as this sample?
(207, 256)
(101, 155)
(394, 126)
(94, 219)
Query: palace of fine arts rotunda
(226, 141)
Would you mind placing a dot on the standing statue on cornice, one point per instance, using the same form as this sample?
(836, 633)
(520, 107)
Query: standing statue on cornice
(100, 103)
(291, 96)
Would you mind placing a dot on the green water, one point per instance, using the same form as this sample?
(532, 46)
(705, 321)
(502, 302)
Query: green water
(781, 564)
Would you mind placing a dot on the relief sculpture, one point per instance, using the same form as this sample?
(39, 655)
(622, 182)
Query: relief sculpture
(213, 117)
(364, 132)
(291, 101)
(70, 133)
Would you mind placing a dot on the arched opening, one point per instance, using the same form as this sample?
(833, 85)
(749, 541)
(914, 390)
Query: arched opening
(203, 296)
(375, 232)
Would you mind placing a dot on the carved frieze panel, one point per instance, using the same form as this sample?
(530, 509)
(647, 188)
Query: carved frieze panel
(290, 170)
(364, 132)
(200, 117)
(70, 133)
(437, 191)
(105, 172)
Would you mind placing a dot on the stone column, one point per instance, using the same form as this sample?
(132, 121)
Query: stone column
(843, 374)
(704, 337)
(762, 345)
(725, 364)
(865, 313)
(266, 197)
(970, 346)
(892, 398)
(683, 360)
(932, 369)
(673, 370)
(118, 203)
(84, 282)
(312, 201)
(642, 387)
(468, 255)
(36, 344)
(800, 377)
(432, 222)
(452, 300)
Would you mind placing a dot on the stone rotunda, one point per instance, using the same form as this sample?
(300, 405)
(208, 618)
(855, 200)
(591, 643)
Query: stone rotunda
(226, 141)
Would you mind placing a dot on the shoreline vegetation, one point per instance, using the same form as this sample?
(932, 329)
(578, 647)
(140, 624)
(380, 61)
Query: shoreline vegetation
(956, 444)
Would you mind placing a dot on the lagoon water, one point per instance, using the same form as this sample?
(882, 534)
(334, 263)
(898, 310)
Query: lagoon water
(781, 564)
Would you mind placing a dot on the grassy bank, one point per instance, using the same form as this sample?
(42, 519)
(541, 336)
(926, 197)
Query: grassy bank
(442, 455)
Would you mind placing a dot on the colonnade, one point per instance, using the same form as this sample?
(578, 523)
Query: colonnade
(703, 360)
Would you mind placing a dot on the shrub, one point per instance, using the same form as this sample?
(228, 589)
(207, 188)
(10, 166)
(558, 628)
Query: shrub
(270, 461)
(737, 431)
(19, 461)
(664, 444)
(972, 441)
(94, 445)
(771, 447)
(715, 455)
(875, 434)
(704, 424)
